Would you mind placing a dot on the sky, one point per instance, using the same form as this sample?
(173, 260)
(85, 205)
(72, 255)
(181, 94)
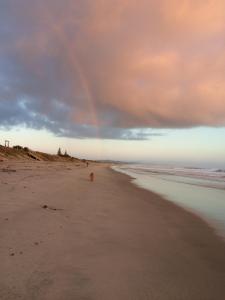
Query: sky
(118, 79)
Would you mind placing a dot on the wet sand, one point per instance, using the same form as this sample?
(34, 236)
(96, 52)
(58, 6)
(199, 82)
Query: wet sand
(63, 237)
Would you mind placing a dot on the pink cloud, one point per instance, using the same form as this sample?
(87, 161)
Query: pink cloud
(128, 63)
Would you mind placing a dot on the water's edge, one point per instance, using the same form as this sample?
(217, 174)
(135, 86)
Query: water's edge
(217, 226)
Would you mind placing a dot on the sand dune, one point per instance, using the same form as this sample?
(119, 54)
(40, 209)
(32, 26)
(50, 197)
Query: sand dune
(64, 237)
(24, 153)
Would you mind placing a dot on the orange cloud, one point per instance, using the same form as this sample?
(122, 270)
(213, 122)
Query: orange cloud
(125, 63)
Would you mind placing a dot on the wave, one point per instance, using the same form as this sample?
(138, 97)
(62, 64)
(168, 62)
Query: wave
(211, 178)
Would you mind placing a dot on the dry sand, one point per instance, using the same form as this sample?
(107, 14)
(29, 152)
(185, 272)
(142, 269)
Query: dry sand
(103, 240)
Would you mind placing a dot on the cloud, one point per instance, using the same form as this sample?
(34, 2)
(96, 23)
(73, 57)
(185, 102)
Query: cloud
(112, 69)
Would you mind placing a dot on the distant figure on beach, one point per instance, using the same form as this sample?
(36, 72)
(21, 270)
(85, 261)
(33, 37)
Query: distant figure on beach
(87, 164)
(92, 176)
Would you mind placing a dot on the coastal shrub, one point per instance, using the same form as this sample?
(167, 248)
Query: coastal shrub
(18, 147)
(59, 152)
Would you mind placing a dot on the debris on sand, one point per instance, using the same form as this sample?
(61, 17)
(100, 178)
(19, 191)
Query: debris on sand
(51, 208)
(8, 170)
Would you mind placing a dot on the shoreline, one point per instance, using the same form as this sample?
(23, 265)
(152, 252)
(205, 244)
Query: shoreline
(109, 239)
(190, 212)
(216, 229)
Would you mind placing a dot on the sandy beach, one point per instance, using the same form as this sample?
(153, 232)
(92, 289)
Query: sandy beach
(63, 237)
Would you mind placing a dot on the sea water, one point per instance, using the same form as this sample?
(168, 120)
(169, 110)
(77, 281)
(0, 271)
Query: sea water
(199, 190)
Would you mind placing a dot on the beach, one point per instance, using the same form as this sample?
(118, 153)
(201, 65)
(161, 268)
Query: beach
(63, 237)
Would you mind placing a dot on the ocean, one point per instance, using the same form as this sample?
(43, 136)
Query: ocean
(199, 190)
